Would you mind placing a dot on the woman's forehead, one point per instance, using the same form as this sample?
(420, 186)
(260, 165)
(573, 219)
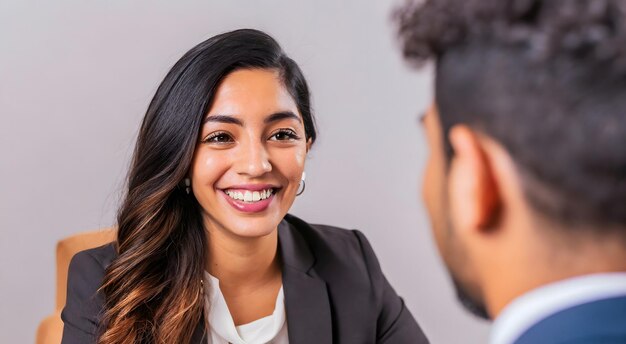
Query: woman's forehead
(249, 92)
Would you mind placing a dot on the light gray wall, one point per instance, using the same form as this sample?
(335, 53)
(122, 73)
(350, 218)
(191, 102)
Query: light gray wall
(76, 77)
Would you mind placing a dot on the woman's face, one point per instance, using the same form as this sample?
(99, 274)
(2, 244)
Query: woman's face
(249, 162)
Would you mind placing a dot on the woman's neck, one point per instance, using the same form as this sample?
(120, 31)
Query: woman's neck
(242, 264)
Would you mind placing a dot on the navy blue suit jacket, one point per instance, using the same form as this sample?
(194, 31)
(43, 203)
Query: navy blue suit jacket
(598, 322)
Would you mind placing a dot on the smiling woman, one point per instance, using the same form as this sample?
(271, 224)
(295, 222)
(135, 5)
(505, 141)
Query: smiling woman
(205, 249)
(249, 165)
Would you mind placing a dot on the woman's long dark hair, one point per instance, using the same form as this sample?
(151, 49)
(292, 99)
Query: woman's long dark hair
(152, 290)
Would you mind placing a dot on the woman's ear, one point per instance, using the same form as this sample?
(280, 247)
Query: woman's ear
(473, 190)
(309, 143)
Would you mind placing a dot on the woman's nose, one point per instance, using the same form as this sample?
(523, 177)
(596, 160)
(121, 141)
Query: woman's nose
(254, 161)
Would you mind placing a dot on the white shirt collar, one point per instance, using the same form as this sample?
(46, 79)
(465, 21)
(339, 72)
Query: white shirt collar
(223, 329)
(528, 309)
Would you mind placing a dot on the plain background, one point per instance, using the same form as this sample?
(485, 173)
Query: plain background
(76, 78)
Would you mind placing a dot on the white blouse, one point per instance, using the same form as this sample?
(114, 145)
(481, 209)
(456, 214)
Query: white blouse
(269, 330)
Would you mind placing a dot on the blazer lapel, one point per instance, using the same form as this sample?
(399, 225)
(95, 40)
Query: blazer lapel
(309, 320)
(306, 296)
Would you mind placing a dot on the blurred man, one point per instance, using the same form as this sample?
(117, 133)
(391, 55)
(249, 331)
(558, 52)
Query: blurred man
(526, 179)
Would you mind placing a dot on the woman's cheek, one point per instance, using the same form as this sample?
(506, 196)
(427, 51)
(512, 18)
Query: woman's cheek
(290, 160)
(298, 161)
(300, 156)
(208, 167)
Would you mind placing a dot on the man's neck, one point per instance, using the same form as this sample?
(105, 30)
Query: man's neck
(553, 264)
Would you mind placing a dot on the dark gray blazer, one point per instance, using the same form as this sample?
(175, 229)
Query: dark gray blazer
(335, 291)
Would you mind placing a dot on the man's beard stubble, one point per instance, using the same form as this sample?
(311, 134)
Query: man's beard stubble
(475, 307)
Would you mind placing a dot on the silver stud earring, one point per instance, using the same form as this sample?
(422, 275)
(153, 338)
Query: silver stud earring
(302, 183)
(187, 185)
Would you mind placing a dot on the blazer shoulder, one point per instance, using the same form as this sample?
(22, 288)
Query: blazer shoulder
(346, 262)
(86, 272)
(100, 256)
(592, 322)
(84, 303)
(330, 236)
(338, 246)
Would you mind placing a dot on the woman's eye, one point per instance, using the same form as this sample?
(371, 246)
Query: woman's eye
(218, 138)
(284, 135)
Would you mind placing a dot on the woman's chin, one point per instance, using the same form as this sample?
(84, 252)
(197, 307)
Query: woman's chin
(252, 229)
(252, 225)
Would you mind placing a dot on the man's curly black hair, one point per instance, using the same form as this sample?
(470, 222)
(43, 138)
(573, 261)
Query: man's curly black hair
(545, 78)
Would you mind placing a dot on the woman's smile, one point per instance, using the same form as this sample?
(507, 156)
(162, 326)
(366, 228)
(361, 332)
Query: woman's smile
(251, 198)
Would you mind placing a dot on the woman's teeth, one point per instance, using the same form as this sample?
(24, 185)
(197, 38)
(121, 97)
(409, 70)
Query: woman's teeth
(249, 196)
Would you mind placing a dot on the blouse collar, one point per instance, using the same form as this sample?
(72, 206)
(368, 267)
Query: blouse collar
(223, 326)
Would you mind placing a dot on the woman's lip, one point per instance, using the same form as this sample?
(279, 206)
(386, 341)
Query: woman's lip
(252, 187)
(248, 207)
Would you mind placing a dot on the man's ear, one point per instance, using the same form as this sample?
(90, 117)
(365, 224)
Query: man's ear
(473, 190)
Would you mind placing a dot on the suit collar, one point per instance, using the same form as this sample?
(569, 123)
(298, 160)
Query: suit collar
(537, 304)
(293, 248)
(306, 296)
(600, 321)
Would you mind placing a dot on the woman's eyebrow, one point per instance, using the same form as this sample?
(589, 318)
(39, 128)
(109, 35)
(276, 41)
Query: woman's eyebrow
(223, 119)
(282, 115)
